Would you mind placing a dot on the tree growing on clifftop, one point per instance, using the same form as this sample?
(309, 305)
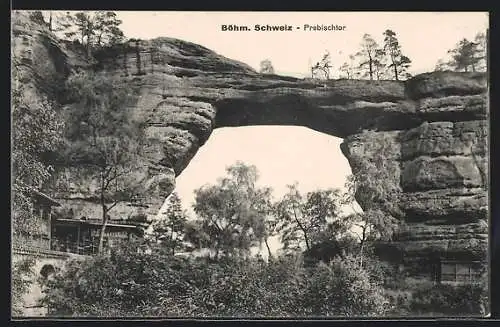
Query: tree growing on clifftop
(266, 67)
(481, 39)
(399, 63)
(322, 68)
(441, 65)
(369, 54)
(380, 64)
(349, 68)
(93, 29)
(468, 55)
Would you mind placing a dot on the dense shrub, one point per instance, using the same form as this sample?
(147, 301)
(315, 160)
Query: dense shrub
(450, 300)
(22, 272)
(379, 271)
(132, 282)
(399, 302)
(249, 288)
(343, 288)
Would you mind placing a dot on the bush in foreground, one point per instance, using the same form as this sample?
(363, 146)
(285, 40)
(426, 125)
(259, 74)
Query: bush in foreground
(343, 288)
(131, 282)
(450, 299)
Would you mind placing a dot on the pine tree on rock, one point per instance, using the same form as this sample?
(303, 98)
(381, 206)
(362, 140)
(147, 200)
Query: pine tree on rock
(467, 55)
(368, 55)
(93, 29)
(399, 63)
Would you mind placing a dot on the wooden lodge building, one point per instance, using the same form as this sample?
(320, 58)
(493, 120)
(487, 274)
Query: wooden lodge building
(59, 238)
(72, 235)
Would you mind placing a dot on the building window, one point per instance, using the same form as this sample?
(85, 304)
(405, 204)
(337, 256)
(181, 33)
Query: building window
(459, 272)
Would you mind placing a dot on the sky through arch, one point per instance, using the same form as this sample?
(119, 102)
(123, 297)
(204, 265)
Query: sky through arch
(282, 154)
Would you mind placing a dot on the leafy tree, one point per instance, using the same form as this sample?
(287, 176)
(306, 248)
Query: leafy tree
(379, 64)
(374, 185)
(36, 130)
(22, 273)
(346, 69)
(369, 54)
(350, 68)
(307, 220)
(266, 67)
(169, 230)
(264, 208)
(82, 22)
(441, 65)
(104, 138)
(322, 67)
(106, 28)
(481, 39)
(94, 29)
(230, 211)
(466, 55)
(373, 225)
(195, 235)
(398, 62)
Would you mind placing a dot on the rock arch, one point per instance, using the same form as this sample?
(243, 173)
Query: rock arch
(193, 90)
(424, 118)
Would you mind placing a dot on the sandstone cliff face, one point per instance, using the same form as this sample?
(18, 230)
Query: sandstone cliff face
(443, 162)
(437, 123)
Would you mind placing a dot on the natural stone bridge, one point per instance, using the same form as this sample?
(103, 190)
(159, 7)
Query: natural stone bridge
(437, 123)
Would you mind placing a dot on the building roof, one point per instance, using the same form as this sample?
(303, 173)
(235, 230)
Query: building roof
(46, 198)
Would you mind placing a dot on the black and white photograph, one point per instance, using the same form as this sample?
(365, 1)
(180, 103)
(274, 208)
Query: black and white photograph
(243, 165)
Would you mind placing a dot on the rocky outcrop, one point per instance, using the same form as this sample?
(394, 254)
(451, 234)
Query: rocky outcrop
(437, 123)
(443, 170)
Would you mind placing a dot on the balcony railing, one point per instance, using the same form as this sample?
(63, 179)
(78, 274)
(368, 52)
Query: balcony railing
(38, 242)
(82, 247)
